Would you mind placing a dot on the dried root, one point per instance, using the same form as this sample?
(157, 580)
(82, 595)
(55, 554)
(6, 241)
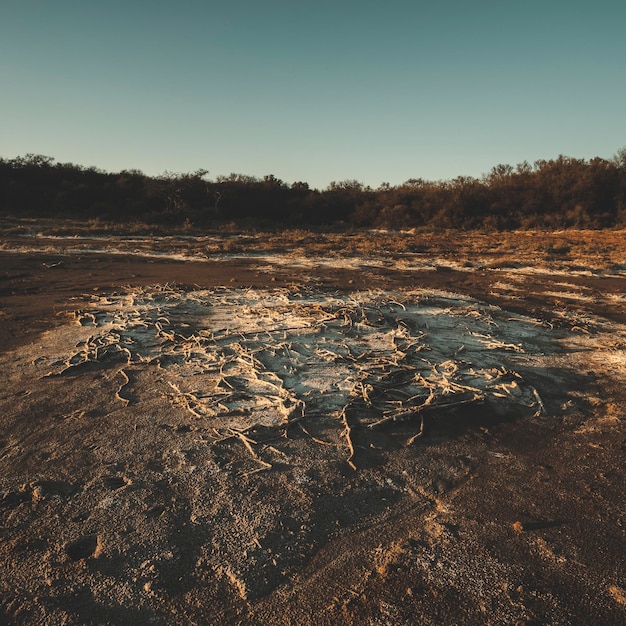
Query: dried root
(247, 442)
(347, 433)
(118, 396)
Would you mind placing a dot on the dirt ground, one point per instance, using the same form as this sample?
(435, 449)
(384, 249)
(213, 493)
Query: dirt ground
(123, 501)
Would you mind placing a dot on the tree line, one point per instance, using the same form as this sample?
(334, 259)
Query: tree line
(560, 193)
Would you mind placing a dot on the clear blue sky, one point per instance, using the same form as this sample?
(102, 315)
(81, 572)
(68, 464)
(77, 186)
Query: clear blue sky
(314, 91)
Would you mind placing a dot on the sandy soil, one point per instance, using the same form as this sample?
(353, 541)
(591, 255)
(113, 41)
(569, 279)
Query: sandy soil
(374, 428)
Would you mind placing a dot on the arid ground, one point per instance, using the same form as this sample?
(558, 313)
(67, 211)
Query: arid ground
(306, 428)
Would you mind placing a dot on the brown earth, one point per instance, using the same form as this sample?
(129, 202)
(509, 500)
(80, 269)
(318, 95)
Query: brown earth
(121, 513)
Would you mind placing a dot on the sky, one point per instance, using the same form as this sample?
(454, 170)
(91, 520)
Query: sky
(312, 91)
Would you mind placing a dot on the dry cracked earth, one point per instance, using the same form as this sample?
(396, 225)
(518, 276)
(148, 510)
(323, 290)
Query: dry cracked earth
(306, 428)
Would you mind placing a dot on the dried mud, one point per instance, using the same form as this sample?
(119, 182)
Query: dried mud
(375, 428)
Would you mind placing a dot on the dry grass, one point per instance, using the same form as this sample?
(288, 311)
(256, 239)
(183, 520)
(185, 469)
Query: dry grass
(600, 249)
